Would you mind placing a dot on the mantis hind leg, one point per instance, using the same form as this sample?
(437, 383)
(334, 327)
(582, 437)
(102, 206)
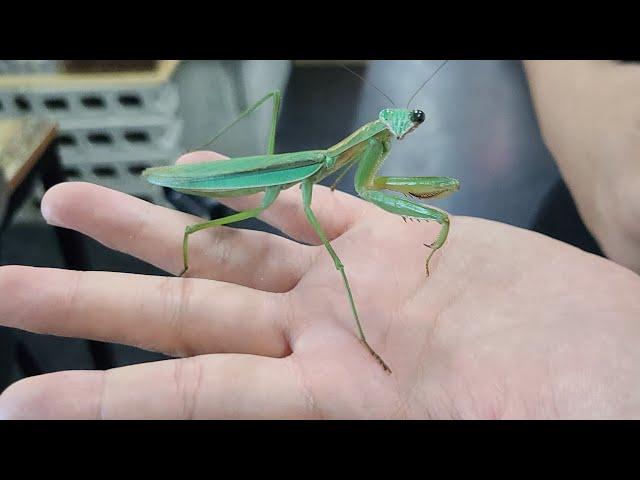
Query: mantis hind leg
(277, 97)
(307, 188)
(270, 195)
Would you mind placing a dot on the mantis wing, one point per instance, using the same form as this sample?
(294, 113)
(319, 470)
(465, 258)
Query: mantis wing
(240, 173)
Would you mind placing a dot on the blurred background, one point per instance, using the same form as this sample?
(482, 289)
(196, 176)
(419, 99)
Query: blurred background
(115, 118)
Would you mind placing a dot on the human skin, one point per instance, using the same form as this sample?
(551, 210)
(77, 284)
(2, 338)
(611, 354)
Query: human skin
(589, 114)
(510, 324)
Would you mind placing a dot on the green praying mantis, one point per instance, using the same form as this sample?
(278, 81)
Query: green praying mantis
(367, 148)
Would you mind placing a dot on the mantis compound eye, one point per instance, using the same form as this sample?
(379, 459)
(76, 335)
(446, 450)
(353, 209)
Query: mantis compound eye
(417, 116)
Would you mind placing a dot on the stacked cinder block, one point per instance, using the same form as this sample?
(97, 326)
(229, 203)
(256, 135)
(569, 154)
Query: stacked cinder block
(112, 124)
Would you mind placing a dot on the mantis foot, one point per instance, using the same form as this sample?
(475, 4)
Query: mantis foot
(377, 357)
(429, 257)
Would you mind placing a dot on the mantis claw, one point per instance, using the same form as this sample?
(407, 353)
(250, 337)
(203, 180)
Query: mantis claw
(376, 356)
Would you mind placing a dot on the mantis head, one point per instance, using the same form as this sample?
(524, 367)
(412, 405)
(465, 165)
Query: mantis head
(401, 121)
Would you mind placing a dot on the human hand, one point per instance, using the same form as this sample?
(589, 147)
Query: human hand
(589, 113)
(510, 324)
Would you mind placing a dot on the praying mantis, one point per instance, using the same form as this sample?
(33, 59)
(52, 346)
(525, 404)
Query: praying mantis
(367, 148)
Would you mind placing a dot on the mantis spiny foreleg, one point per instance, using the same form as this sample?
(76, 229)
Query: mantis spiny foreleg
(369, 187)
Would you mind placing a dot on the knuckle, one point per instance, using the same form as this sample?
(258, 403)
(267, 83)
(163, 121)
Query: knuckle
(177, 295)
(188, 382)
(71, 299)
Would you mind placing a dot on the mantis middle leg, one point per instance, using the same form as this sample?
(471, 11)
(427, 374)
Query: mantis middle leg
(307, 190)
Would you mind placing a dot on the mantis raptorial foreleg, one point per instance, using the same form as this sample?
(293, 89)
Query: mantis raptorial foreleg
(420, 187)
(307, 190)
(424, 187)
(407, 208)
(270, 195)
(369, 186)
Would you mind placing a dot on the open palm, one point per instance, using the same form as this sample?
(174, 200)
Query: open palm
(509, 324)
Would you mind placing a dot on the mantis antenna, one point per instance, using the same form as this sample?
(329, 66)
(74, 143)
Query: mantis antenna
(426, 81)
(370, 83)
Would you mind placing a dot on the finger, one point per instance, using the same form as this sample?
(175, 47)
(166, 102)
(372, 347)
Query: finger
(171, 315)
(336, 211)
(154, 234)
(216, 386)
